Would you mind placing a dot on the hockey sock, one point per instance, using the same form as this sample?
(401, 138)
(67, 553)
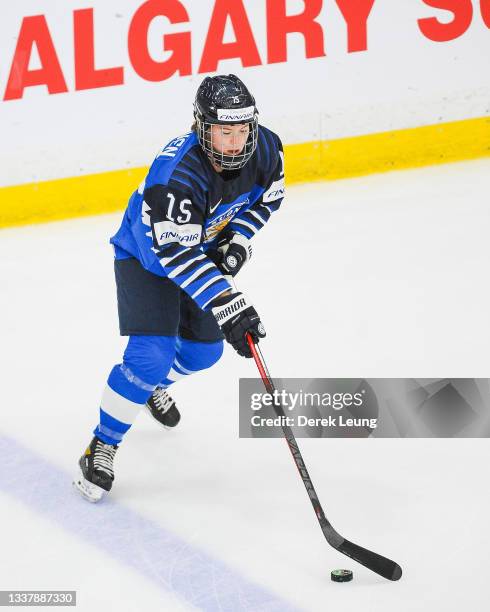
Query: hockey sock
(191, 357)
(131, 383)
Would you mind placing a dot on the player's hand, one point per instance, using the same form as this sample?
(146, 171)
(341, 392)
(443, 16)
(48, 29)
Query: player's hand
(236, 316)
(235, 250)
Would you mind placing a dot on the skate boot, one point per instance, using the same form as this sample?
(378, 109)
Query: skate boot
(163, 409)
(96, 470)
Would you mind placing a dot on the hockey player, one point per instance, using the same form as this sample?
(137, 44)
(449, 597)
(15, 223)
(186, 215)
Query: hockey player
(186, 229)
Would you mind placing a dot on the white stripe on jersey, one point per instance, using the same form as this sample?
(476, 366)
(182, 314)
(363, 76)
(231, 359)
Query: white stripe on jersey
(242, 222)
(166, 260)
(257, 216)
(179, 269)
(215, 279)
(268, 208)
(197, 273)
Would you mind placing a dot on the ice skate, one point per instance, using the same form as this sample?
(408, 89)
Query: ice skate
(163, 409)
(96, 472)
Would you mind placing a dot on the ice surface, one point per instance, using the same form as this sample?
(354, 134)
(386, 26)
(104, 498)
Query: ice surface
(379, 276)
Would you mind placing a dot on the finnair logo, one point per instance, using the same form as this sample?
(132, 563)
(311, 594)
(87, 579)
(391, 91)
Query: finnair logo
(236, 114)
(188, 234)
(176, 237)
(275, 191)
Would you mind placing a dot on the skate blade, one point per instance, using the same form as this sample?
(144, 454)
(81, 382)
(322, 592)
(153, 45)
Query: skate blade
(87, 490)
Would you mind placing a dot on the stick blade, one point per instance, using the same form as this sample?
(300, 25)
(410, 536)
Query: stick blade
(376, 563)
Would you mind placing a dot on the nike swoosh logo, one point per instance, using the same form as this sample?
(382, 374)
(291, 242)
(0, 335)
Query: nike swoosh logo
(211, 210)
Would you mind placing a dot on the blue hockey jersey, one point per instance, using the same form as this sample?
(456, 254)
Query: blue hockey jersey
(182, 208)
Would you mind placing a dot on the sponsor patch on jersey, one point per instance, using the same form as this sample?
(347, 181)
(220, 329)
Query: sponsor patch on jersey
(230, 212)
(275, 191)
(215, 229)
(187, 235)
(220, 222)
(236, 114)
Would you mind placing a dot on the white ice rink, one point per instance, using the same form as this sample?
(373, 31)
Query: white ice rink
(383, 276)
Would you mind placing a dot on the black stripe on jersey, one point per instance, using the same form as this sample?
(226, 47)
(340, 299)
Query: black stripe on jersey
(194, 172)
(208, 272)
(206, 171)
(273, 148)
(265, 149)
(170, 250)
(193, 264)
(250, 219)
(258, 151)
(217, 279)
(177, 259)
(262, 212)
(184, 179)
(193, 155)
(273, 206)
(246, 231)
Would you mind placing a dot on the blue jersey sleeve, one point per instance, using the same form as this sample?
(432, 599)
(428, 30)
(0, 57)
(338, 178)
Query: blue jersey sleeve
(269, 197)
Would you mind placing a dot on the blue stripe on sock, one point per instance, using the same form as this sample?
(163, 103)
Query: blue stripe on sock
(107, 435)
(110, 430)
(126, 385)
(132, 378)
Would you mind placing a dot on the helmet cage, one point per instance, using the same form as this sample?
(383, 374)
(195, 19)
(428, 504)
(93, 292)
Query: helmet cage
(226, 162)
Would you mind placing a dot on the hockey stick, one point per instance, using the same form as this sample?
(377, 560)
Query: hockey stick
(381, 565)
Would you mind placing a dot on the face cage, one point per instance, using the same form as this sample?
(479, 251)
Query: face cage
(227, 162)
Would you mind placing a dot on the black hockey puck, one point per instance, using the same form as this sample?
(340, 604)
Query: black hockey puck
(341, 575)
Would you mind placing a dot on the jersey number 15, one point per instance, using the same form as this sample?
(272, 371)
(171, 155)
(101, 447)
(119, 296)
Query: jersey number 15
(182, 207)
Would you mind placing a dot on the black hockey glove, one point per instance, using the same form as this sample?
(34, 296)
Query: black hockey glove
(236, 316)
(234, 250)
